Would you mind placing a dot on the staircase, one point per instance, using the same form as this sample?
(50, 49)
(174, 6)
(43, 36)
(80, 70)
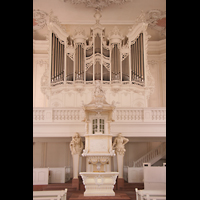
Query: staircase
(152, 156)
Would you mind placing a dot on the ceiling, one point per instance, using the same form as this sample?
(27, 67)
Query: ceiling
(73, 15)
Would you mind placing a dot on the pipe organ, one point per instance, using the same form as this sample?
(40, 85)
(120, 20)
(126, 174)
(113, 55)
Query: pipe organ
(112, 59)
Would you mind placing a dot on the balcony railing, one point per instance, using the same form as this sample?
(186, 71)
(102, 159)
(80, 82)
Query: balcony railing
(57, 115)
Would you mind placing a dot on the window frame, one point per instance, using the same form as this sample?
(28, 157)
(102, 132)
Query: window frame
(98, 125)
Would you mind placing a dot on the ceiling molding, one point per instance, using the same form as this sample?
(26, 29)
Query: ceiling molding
(96, 4)
(92, 22)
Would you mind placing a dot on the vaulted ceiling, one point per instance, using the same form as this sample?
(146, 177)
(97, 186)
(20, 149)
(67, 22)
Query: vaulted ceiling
(122, 15)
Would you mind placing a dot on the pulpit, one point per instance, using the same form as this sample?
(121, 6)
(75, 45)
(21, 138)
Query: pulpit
(98, 178)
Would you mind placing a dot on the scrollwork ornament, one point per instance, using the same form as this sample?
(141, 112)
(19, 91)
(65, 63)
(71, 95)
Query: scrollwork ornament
(40, 19)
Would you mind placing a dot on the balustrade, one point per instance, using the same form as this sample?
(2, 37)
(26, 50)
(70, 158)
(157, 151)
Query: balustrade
(120, 115)
(129, 115)
(64, 114)
(38, 114)
(158, 114)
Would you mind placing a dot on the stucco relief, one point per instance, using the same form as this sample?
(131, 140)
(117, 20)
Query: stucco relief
(98, 145)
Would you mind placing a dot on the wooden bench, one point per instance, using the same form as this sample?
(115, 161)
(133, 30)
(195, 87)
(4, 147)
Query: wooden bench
(50, 195)
(150, 194)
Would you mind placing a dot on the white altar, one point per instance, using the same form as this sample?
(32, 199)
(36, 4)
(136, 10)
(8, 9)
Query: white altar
(99, 183)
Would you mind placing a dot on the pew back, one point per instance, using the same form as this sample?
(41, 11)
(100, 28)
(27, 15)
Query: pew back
(150, 194)
(50, 195)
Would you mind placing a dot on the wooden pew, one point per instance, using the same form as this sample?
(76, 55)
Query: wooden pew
(40, 176)
(50, 195)
(150, 194)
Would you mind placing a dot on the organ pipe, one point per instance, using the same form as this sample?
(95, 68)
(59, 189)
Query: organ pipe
(61, 74)
(137, 60)
(59, 54)
(52, 59)
(115, 62)
(79, 62)
(57, 60)
(142, 58)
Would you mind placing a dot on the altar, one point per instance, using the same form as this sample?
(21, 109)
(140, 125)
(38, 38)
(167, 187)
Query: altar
(99, 183)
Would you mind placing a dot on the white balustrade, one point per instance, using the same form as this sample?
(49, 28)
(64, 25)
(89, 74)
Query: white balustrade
(66, 114)
(38, 114)
(120, 115)
(158, 114)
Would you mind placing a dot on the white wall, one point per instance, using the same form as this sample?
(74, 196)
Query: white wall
(51, 154)
(158, 70)
(135, 150)
(39, 65)
(47, 153)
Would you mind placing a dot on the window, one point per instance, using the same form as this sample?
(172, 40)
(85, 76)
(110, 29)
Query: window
(98, 125)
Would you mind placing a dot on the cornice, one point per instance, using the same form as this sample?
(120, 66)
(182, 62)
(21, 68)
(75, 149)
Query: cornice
(40, 46)
(41, 56)
(156, 58)
(157, 47)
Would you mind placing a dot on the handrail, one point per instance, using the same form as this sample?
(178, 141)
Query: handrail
(156, 152)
